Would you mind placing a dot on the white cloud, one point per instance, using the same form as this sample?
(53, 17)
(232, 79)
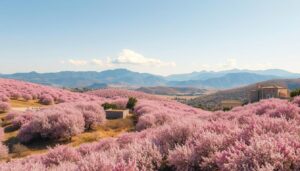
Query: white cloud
(102, 63)
(230, 63)
(260, 66)
(126, 57)
(97, 62)
(78, 62)
(129, 57)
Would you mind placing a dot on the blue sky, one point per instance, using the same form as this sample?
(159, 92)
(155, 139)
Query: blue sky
(157, 36)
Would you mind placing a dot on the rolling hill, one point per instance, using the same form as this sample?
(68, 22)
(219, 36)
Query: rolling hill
(227, 81)
(242, 93)
(203, 75)
(71, 79)
(179, 91)
(74, 133)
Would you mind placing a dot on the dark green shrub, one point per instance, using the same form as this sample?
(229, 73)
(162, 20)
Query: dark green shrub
(131, 103)
(109, 106)
(295, 93)
(226, 109)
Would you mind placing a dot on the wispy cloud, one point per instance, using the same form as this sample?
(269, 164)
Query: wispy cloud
(126, 57)
(130, 57)
(230, 63)
(77, 62)
(97, 62)
(260, 66)
(102, 63)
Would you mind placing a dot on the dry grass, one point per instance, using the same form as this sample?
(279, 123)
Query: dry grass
(111, 128)
(3, 115)
(23, 103)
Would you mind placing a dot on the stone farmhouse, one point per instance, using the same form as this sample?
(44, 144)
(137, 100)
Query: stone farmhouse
(116, 113)
(266, 92)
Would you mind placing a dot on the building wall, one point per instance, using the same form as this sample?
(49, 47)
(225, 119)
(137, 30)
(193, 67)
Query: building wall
(284, 93)
(266, 93)
(269, 93)
(116, 114)
(254, 96)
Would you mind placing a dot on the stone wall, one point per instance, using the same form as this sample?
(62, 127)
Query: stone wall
(116, 114)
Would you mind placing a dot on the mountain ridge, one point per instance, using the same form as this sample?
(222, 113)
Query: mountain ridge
(201, 75)
(127, 78)
(227, 81)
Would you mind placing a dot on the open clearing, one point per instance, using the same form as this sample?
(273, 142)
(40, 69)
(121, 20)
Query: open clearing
(111, 128)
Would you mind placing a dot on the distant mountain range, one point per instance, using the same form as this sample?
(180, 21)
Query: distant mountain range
(226, 81)
(126, 78)
(173, 91)
(204, 75)
(118, 77)
(213, 101)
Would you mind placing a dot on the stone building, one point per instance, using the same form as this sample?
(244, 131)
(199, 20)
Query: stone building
(116, 114)
(266, 92)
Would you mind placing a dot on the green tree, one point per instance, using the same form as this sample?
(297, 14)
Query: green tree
(109, 106)
(131, 103)
(295, 93)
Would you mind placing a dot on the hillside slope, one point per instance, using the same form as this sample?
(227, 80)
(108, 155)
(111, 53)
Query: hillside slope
(212, 101)
(73, 79)
(161, 90)
(203, 75)
(230, 80)
(166, 135)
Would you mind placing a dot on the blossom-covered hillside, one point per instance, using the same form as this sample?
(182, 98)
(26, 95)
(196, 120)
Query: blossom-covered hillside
(121, 93)
(13, 89)
(168, 136)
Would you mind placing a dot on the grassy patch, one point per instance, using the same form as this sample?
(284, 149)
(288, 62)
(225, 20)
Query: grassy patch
(2, 117)
(23, 103)
(111, 128)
